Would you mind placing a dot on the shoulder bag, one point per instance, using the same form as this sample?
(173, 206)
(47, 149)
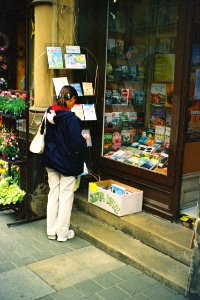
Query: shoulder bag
(37, 145)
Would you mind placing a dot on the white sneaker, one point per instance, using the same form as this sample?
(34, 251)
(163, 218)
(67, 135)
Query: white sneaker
(70, 236)
(51, 237)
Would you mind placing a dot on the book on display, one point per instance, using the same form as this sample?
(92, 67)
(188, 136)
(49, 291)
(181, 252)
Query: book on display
(54, 57)
(75, 61)
(59, 82)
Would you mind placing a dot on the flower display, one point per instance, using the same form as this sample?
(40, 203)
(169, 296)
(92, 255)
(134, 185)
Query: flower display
(9, 144)
(14, 104)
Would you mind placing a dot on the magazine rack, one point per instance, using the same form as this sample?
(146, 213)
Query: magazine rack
(82, 68)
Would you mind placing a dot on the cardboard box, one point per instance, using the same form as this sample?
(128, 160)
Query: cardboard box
(119, 205)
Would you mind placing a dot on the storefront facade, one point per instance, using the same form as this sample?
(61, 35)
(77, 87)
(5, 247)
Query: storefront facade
(144, 51)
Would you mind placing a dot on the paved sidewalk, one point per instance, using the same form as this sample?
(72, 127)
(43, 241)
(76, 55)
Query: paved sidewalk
(33, 267)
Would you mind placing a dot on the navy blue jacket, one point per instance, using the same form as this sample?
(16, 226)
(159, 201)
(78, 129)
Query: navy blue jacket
(65, 147)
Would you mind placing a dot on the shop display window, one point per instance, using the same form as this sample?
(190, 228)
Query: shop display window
(139, 89)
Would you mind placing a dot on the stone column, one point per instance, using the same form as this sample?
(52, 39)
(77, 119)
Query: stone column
(42, 81)
(54, 25)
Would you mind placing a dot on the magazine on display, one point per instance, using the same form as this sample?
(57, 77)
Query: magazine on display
(87, 89)
(160, 133)
(126, 137)
(108, 120)
(167, 136)
(73, 49)
(108, 97)
(78, 88)
(78, 110)
(158, 94)
(107, 140)
(89, 112)
(54, 58)
(124, 96)
(116, 96)
(75, 61)
(59, 82)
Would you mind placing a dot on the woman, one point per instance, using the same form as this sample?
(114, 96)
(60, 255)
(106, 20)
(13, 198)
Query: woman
(63, 157)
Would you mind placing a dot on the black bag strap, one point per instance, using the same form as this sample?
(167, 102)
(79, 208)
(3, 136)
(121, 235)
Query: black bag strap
(43, 123)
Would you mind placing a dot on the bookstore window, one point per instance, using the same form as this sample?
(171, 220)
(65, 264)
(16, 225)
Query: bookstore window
(140, 82)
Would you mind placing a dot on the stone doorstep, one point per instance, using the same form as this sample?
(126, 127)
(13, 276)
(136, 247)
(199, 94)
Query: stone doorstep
(130, 251)
(169, 238)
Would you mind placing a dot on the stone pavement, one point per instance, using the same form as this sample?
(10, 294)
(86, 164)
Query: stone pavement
(33, 267)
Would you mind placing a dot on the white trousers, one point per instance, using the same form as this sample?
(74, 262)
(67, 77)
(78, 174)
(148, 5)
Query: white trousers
(60, 201)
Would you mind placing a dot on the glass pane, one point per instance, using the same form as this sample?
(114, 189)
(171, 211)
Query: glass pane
(193, 129)
(140, 82)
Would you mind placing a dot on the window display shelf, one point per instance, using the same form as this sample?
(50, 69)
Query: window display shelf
(139, 86)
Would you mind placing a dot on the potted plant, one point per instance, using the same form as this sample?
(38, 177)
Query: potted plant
(10, 192)
(14, 104)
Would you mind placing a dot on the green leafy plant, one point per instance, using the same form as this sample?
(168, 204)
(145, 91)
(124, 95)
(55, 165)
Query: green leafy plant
(13, 172)
(10, 193)
(14, 104)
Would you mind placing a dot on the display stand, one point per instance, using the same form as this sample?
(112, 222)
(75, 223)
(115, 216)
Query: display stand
(23, 210)
(82, 74)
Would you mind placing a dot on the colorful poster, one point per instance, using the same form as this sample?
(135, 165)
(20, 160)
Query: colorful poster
(164, 67)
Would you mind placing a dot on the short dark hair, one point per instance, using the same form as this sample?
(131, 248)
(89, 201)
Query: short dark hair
(66, 93)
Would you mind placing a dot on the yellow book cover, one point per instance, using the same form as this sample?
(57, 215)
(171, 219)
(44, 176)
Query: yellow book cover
(164, 67)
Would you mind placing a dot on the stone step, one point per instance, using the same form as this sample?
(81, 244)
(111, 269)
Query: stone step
(169, 238)
(131, 251)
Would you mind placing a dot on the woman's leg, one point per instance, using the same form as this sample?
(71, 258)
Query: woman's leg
(53, 201)
(66, 198)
